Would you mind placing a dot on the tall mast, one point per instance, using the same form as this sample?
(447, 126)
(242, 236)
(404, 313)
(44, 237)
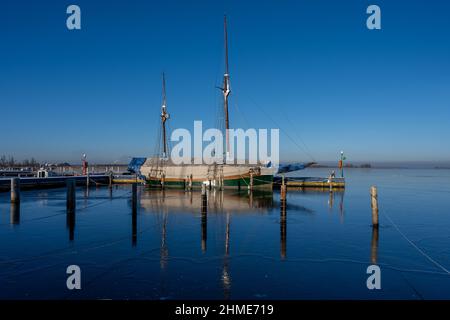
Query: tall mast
(164, 116)
(226, 86)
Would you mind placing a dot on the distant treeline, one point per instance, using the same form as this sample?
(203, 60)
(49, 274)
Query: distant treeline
(364, 165)
(8, 162)
(346, 165)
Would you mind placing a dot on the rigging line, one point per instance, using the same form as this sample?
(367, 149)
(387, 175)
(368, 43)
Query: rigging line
(281, 128)
(247, 123)
(414, 245)
(295, 132)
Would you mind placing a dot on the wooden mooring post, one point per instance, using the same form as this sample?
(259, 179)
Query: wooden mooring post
(204, 199)
(250, 186)
(374, 205)
(110, 180)
(15, 190)
(283, 226)
(283, 190)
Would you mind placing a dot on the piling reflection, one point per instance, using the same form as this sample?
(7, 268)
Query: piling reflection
(283, 229)
(226, 277)
(330, 200)
(134, 198)
(134, 227)
(341, 206)
(70, 223)
(164, 250)
(374, 245)
(14, 216)
(204, 221)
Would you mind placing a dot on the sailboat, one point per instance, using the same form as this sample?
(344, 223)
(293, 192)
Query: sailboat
(160, 171)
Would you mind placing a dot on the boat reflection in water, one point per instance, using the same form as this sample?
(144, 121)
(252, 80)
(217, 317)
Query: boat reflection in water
(218, 201)
(225, 204)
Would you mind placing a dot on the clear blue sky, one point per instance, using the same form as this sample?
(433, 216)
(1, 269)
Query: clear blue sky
(312, 65)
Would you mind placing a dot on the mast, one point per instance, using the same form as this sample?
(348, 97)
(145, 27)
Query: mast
(226, 86)
(164, 116)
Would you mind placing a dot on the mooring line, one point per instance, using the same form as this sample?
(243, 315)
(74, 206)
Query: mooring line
(415, 246)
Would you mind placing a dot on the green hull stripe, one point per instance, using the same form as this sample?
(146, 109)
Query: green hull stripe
(239, 182)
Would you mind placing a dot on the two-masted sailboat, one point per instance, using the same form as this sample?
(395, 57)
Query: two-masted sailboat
(161, 171)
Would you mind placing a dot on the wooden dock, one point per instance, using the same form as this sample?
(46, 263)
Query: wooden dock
(310, 182)
(126, 179)
(53, 182)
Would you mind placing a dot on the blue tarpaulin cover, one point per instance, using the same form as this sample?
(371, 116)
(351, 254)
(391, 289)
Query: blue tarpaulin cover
(135, 165)
(285, 168)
